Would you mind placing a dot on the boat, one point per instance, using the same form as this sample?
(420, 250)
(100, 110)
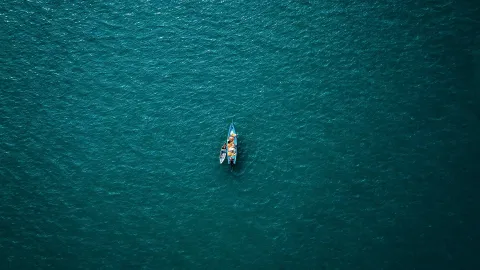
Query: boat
(223, 154)
(233, 159)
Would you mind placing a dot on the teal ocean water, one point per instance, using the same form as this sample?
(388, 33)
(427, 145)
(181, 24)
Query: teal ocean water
(358, 128)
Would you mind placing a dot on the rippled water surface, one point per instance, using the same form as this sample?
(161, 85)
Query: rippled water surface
(358, 128)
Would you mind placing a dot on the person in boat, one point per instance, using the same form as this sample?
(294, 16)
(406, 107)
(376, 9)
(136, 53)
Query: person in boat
(232, 137)
(224, 147)
(231, 148)
(231, 145)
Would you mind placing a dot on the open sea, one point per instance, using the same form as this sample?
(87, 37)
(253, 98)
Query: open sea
(358, 141)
